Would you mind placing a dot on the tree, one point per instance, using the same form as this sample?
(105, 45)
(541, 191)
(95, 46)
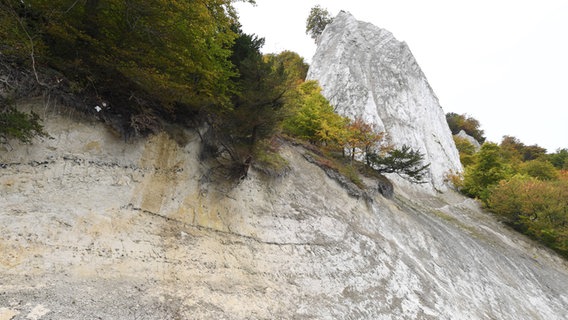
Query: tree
(534, 207)
(559, 159)
(405, 162)
(294, 66)
(362, 138)
(316, 22)
(313, 118)
(515, 150)
(488, 169)
(141, 57)
(256, 109)
(540, 169)
(470, 125)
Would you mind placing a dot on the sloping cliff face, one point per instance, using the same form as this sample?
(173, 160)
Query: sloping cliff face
(95, 228)
(365, 72)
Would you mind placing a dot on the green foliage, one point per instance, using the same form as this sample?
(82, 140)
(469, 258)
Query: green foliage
(458, 122)
(559, 159)
(404, 161)
(540, 169)
(316, 22)
(515, 151)
(262, 84)
(534, 207)
(488, 169)
(465, 149)
(293, 64)
(137, 55)
(313, 118)
(18, 125)
(268, 160)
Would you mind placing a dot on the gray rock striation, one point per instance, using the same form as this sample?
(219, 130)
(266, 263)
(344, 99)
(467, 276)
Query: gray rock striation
(365, 72)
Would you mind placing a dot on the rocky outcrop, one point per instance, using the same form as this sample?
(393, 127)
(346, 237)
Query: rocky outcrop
(462, 134)
(365, 72)
(95, 228)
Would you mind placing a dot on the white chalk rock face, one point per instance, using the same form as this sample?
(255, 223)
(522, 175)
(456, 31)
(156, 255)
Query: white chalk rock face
(365, 72)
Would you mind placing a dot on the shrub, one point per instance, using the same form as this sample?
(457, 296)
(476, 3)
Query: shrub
(542, 170)
(534, 207)
(18, 125)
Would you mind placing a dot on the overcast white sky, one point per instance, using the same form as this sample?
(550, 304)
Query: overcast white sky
(503, 62)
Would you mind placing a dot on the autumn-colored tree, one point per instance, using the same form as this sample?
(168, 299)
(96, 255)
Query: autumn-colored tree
(294, 65)
(534, 207)
(362, 138)
(516, 151)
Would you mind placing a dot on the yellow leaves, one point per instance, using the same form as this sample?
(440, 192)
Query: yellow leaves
(538, 208)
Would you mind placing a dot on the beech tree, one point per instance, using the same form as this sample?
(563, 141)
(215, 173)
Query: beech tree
(488, 169)
(313, 118)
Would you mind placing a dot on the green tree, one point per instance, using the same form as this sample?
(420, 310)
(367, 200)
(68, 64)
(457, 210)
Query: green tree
(406, 162)
(559, 159)
(316, 22)
(256, 109)
(488, 169)
(540, 169)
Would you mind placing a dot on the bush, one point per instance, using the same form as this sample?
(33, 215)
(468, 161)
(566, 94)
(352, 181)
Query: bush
(534, 207)
(542, 170)
(488, 169)
(18, 125)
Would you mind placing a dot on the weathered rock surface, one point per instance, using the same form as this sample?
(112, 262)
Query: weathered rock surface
(93, 228)
(462, 134)
(365, 72)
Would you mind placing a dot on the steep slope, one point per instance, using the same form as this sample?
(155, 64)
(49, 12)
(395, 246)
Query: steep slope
(94, 228)
(365, 72)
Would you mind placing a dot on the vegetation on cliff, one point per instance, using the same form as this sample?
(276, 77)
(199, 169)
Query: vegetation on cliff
(523, 184)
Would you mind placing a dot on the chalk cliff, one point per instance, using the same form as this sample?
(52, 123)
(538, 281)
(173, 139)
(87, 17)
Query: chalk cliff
(95, 228)
(365, 72)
